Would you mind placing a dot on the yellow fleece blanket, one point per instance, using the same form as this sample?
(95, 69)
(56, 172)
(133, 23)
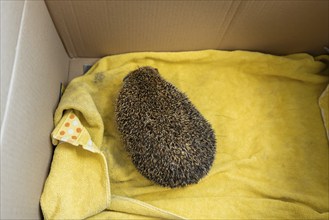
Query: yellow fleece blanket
(272, 146)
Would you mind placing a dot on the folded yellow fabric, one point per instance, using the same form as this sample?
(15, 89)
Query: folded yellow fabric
(272, 148)
(324, 98)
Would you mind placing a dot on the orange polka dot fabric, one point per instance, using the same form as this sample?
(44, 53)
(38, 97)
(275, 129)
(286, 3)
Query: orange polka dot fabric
(71, 130)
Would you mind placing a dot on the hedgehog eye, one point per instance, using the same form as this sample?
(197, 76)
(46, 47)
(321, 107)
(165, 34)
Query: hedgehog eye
(125, 77)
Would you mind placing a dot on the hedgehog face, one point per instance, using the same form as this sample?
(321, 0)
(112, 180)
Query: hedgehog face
(169, 141)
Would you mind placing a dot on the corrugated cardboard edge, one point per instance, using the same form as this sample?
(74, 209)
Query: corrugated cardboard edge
(11, 17)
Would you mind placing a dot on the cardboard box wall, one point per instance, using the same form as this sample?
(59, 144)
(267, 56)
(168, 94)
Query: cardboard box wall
(46, 43)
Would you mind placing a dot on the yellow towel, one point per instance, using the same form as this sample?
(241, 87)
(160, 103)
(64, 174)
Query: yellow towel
(272, 148)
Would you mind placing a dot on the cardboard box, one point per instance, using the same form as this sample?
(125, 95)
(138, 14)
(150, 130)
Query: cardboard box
(47, 43)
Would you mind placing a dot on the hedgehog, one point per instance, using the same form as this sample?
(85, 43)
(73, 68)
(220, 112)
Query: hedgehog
(167, 138)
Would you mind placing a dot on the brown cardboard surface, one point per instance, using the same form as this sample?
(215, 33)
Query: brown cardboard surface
(280, 27)
(40, 64)
(99, 28)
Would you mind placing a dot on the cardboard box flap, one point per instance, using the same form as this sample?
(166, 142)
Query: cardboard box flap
(99, 28)
(40, 65)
